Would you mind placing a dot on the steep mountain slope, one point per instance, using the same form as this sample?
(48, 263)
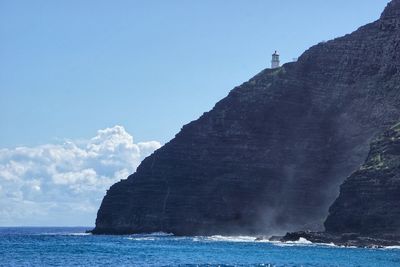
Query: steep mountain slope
(270, 156)
(369, 201)
(367, 211)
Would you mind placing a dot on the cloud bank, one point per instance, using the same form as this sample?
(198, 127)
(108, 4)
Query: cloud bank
(63, 184)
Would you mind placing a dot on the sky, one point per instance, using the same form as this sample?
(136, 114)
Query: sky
(90, 88)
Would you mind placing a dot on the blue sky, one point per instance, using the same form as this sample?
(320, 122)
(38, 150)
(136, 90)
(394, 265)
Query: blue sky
(69, 68)
(90, 88)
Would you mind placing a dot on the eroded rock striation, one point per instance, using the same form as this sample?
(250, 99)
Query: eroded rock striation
(369, 200)
(367, 211)
(269, 157)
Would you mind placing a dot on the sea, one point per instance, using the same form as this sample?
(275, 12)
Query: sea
(71, 246)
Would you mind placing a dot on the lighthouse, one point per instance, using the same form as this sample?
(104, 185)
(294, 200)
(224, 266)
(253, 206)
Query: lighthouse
(275, 63)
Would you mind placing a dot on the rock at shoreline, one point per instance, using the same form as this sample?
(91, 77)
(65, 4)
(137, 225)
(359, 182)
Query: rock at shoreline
(345, 239)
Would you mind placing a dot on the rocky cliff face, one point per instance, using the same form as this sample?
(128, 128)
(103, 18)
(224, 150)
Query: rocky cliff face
(369, 201)
(270, 156)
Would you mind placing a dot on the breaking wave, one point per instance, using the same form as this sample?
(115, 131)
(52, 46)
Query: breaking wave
(392, 247)
(220, 238)
(149, 237)
(235, 239)
(65, 234)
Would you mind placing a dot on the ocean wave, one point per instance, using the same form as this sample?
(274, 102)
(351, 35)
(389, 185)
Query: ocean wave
(79, 234)
(392, 247)
(65, 234)
(149, 237)
(234, 239)
(253, 239)
(304, 242)
(161, 234)
(220, 238)
(301, 242)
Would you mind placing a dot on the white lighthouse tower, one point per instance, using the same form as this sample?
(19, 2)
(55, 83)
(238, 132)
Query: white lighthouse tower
(275, 63)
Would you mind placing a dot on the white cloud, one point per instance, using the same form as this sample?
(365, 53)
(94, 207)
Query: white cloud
(63, 184)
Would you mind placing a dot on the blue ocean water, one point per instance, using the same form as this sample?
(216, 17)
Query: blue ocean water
(72, 247)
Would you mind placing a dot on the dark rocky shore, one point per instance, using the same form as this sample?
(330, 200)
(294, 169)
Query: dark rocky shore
(347, 239)
(271, 156)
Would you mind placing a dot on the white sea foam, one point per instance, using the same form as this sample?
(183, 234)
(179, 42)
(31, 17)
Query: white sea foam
(79, 234)
(301, 242)
(149, 237)
(330, 245)
(65, 233)
(161, 234)
(233, 239)
(220, 238)
(215, 238)
(392, 247)
(145, 238)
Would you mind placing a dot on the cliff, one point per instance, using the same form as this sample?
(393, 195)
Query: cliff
(367, 211)
(269, 157)
(369, 200)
